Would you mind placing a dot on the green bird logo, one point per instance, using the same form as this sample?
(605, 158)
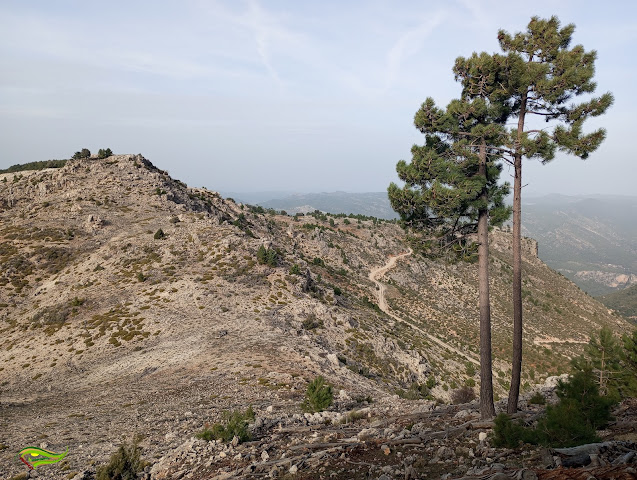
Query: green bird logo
(33, 457)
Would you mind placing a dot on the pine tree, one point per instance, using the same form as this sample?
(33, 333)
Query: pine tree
(629, 373)
(603, 357)
(262, 254)
(538, 75)
(450, 191)
(104, 153)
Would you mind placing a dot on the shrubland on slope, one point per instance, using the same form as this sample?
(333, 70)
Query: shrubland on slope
(131, 303)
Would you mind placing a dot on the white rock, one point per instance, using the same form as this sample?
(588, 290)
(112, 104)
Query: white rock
(333, 359)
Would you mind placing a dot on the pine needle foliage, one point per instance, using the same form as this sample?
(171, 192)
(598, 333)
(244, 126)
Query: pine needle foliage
(318, 396)
(581, 410)
(267, 256)
(443, 189)
(613, 362)
(104, 153)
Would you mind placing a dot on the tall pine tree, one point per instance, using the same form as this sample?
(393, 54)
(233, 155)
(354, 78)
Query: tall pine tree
(538, 75)
(451, 189)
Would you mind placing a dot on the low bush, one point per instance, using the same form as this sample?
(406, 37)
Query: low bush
(267, 256)
(415, 392)
(463, 395)
(311, 322)
(318, 396)
(580, 411)
(508, 434)
(125, 464)
(235, 424)
(537, 399)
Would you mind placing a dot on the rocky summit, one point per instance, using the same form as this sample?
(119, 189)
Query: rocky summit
(135, 307)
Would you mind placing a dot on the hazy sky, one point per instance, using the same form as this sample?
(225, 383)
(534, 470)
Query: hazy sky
(281, 95)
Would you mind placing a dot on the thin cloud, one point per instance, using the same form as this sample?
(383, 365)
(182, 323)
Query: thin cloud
(408, 45)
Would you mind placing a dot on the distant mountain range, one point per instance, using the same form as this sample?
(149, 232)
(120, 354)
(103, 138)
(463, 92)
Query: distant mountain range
(373, 204)
(591, 239)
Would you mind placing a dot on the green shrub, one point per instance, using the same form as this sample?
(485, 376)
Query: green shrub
(318, 261)
(318, 396)
(311, 322)
(125, 464)
(267, 256)
(234, 424)
(261, 254)
(579, 413)
(159, 234)
(104, 153)
(295, 269)
(508, 434)
(573, 421)
(272, 257)
(537, 399)
(84, 153)
(415, 392)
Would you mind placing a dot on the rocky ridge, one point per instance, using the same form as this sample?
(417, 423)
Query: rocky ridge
(132, 303)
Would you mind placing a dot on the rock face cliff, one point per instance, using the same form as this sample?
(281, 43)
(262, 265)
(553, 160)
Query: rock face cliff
(131, 303)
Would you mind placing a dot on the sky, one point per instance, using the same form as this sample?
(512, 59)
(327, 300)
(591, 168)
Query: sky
(302, 96)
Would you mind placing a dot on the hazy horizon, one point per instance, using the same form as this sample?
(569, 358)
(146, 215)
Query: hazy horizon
(265, 196)
(282, 96)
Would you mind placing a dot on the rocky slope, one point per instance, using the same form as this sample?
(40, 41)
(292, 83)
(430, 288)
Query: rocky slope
(590, 239)
(132, 304)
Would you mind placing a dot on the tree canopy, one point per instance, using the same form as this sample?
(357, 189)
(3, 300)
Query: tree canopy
(442, 195)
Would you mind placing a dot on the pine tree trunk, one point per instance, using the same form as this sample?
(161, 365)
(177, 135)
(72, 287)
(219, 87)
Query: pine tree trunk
(516, 362)
(487, 409)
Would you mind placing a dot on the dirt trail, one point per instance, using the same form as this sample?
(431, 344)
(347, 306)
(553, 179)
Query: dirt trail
(377, 273)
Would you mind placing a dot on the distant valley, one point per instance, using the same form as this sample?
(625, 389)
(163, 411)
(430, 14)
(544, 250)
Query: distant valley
(590, 239)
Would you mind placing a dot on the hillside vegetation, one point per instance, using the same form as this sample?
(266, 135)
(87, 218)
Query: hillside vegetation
(623, 301)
